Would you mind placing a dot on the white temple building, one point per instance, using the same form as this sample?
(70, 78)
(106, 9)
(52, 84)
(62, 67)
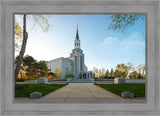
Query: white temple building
(74, 64)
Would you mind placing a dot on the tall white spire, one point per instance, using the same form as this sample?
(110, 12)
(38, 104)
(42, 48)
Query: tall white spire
(77, 40)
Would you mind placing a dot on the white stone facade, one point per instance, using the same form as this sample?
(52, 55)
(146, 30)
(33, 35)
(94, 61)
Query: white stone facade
(75, 63)
(63, 64)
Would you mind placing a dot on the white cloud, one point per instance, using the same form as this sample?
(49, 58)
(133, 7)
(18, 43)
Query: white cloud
(131, 49)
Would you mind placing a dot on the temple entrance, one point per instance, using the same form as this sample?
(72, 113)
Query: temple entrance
(85, 75)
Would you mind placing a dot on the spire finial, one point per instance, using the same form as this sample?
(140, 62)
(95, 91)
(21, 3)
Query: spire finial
(77, 26)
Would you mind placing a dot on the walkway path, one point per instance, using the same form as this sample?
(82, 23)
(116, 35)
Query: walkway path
(81, 93)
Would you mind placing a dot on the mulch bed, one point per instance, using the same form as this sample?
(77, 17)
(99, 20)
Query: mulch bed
(21, 87)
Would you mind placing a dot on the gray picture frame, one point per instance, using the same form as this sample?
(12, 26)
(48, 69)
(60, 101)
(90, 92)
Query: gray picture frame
(10, 7)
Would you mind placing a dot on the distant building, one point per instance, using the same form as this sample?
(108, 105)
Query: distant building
(74, 64)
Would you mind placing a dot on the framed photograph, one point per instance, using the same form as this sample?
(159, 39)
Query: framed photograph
(75, 57)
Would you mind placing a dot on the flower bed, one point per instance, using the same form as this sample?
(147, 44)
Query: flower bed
(104, 79)
(58, 79)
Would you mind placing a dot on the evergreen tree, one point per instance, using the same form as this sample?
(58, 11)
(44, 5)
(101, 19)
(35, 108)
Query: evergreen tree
(107, 73)
(112, 73)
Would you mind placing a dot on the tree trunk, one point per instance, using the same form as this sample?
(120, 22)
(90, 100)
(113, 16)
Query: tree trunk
(21, 54)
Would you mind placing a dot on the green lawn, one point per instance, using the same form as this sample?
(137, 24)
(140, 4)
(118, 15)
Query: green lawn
(137, 89)
(43, 88)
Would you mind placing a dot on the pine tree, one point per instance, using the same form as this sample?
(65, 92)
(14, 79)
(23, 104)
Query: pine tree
(107, 73)
(112, 73)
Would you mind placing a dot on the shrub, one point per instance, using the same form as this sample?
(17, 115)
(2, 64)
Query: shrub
(20, 80)
(109, 77)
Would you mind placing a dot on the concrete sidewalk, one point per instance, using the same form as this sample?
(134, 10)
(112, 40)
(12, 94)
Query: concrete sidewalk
(81, 93)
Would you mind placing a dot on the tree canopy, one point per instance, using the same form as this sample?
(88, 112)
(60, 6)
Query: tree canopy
(126, 70)
(121, 22)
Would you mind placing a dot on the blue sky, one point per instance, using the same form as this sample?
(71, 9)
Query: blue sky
(102, 47)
